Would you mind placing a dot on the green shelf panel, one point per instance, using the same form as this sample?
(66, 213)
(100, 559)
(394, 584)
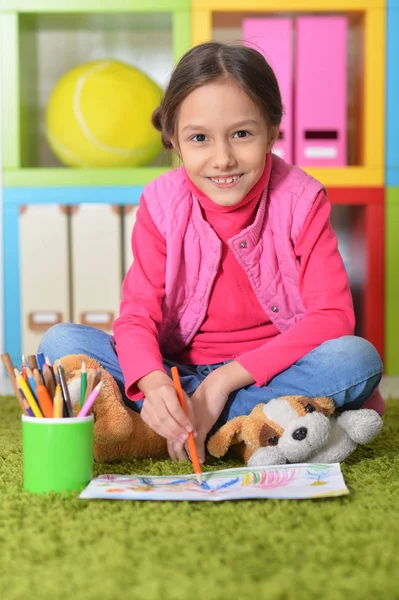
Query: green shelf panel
(95, 6)
(80, 177)
(392, 282)
(392, 196)
(9, 61)
(110, 22)
(181, 34)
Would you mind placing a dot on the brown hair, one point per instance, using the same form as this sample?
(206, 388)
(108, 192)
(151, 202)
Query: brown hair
(208, 62)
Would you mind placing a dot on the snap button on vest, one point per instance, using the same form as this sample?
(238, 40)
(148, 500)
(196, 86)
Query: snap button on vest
(196, 307)
(275, 308)
(243, 244)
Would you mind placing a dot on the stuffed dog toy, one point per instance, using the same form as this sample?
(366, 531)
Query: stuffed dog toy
(264, 427)
(287, 429)
(316, 437)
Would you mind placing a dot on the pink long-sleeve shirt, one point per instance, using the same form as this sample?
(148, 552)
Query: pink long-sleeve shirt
(235, 326)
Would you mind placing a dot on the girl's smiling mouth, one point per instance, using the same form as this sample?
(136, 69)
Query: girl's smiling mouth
(226, 182)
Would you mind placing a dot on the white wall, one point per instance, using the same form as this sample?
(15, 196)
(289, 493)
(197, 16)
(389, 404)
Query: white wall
(5, 386)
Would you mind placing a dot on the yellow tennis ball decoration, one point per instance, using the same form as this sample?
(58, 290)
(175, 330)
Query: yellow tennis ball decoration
(99, 115)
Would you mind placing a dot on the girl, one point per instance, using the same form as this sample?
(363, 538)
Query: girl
(236, 277)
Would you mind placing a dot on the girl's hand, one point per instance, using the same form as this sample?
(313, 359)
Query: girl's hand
(178, 450)
(211, 396)
(208, 401)
(161, 407)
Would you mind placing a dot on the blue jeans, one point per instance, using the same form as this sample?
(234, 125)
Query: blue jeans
(347, 369)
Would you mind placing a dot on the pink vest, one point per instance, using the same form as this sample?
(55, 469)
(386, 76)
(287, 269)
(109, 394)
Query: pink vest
(265, 250)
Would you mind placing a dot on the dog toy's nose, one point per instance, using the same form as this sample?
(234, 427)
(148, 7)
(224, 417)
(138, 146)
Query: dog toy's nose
(300, 434)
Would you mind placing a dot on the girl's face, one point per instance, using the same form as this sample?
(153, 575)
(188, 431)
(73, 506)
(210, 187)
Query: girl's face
(223, 139)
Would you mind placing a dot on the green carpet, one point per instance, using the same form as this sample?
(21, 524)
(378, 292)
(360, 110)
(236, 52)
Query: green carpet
(66, 548)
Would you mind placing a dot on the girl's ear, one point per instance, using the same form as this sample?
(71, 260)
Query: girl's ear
(176, 149)
(175, 145)
(273, 135)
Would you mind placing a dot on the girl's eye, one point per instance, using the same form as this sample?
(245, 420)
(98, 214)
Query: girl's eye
(242, 133)
(200, 137)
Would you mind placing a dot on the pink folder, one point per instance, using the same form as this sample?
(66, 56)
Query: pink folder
(273, 38)
(321, 91)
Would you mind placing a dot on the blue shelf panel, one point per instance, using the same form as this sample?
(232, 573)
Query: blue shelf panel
(392, 94)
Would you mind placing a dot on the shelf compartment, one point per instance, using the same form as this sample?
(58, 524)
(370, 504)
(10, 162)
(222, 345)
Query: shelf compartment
(222, 20)
(46, 42)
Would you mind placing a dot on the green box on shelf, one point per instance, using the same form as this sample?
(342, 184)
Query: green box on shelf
(27, 159)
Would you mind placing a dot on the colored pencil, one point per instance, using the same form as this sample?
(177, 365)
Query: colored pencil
(58, 403)
(87, 406)
(49, 364)
(23, 369)
(32, 362)
(37, 376)
(9, 367)
(28, 394)
(40, 360)
(90, 385)
(58, 382)
(43, 394)
(49, 380)
(190, 442)
(46, 403)
(65, 391)
(65, 411)
(31, 381)
(83, 383)
(97, 378)
(29, 411)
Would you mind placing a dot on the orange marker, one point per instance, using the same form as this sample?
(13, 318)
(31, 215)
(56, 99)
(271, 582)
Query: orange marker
(190, 442)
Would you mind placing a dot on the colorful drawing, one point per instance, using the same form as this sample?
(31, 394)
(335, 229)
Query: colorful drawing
(318, 474)
(283, 481)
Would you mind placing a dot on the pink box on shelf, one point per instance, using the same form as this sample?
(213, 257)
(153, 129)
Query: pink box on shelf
(273, 38)
(321, 91)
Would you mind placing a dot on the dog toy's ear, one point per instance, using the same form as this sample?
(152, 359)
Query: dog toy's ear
(324, 405)
(226, 436)
(258, 430)
(321, 404)
(245, 434)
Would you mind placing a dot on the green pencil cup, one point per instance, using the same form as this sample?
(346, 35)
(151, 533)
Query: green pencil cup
(57, 453)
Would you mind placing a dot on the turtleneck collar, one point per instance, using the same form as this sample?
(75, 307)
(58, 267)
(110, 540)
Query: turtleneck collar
(252, 196)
